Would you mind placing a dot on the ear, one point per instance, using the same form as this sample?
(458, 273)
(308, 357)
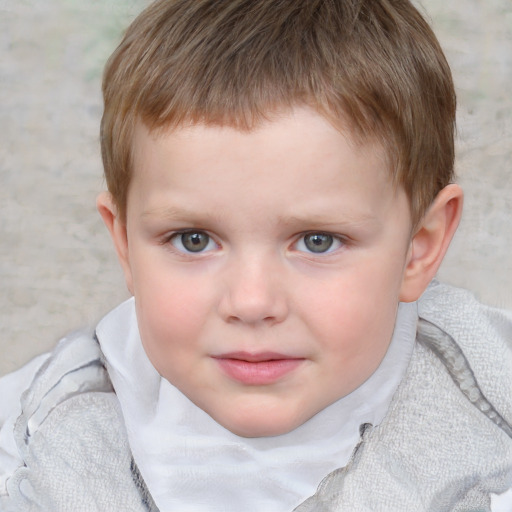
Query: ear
(117, 229)
(430, 242)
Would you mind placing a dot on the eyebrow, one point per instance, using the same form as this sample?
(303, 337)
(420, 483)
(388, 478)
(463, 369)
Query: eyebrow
(345, 218)
(184, 214)
(180, 214)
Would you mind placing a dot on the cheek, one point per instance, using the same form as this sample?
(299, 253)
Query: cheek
(354, 315)
(171, 312)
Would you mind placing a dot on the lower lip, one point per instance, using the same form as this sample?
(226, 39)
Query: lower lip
(258, 373)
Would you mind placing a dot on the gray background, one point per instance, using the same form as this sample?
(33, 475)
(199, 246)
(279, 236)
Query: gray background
(57, 268)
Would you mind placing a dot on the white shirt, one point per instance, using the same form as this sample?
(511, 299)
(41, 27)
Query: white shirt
(191, 463)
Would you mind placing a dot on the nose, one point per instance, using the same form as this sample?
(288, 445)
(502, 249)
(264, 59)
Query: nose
(254, 292)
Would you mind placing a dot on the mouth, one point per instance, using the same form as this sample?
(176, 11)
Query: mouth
(257, 369)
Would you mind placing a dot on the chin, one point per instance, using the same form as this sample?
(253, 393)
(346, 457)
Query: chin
(270, 425)
(251, 431)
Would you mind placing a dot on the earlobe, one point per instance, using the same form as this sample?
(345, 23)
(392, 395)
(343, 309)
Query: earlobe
(117, 229)
(431, 241)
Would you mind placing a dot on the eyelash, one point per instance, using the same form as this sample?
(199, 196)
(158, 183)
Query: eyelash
(176, 239)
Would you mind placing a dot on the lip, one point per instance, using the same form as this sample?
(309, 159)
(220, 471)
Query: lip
(257, 369)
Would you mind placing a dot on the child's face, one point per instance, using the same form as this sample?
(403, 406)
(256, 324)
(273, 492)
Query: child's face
(267, 266)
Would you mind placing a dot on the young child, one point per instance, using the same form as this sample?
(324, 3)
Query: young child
(280, 199)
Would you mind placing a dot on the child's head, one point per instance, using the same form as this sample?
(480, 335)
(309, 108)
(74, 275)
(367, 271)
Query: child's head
(270, 165)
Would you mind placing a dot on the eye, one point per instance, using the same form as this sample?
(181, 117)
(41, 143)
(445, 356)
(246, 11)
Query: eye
(193, 241)
(318, 243)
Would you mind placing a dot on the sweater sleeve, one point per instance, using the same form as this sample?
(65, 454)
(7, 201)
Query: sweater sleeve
(12, 386)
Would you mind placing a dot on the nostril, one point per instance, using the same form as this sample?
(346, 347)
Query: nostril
(252, 308)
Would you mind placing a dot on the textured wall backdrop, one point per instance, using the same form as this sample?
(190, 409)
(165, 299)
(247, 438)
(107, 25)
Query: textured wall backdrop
(57, 268)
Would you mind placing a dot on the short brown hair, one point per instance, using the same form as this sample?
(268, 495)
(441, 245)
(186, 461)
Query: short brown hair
(375, 64)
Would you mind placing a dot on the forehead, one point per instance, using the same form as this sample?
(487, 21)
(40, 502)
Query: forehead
(301, 129)
(294, 166)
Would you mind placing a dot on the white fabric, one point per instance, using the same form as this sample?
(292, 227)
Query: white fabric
(501, 502)
(191, 463)
(11, 388)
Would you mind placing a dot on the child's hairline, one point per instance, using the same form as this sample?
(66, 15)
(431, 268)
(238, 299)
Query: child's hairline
(342, 123)
(409, 111)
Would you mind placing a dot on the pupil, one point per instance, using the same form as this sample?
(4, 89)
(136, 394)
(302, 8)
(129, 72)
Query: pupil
(318, 242)
(194, 242)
